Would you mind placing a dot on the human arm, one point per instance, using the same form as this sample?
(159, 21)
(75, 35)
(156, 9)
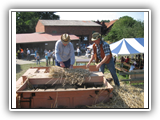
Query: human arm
(107, 52)
(57, 54)
(72, 55)
(102, 62)
(57, 51)
(88, 64)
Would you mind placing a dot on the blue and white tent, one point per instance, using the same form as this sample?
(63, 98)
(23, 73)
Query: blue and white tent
(127, 46)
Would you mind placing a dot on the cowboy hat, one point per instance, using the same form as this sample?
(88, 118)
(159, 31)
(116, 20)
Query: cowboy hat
(65, 38)
(95, 36)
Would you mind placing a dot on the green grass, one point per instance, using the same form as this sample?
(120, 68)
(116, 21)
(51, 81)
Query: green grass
(21, 69)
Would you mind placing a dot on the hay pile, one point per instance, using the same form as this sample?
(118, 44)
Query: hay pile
(125, 96)
(71, 76)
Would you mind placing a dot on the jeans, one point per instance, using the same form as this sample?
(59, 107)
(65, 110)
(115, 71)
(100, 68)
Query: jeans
(49, 60)
(22, 55)
(66, 63)
(46, 62)
(78, 53)
(112, 70)
(28, 57)
(53, 60)
(38, 61)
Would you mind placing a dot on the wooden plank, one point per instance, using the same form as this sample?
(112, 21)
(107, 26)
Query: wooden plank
(130, 73)
(41, 70)
(124, 63)
(95, 76)
(91, 67)
(121, 69)
(30, 71)
(134, 76)
(137, 79)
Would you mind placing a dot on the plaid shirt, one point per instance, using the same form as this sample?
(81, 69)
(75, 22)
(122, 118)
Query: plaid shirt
(106, 49)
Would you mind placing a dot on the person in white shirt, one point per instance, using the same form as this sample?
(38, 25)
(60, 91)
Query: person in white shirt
(132, 67)
(78, 51)
(53, 56)
(28, 54)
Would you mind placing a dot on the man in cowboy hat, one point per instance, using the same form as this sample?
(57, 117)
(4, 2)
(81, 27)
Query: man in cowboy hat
(103, 56)
(64, 52)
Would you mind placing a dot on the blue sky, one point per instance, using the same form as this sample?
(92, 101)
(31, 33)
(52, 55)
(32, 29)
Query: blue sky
(99, 15)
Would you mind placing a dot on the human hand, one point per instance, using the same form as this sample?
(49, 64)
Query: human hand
(62, 64)
(87, 66)
(71, 67)
(98, 66)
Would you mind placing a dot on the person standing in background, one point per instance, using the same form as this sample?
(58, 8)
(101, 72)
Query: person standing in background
(46, 57)
(49, 56)
(35, 53)
(53, 56)
(22, 53)
(38, 58)
(114, 59)
(28, 54)
(78, 51)
(19, 54)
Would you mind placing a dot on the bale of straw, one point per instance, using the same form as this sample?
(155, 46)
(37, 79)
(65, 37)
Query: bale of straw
(71, 76)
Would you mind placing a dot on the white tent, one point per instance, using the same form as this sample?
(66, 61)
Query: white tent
(128, 46)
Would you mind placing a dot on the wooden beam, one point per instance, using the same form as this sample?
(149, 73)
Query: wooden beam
(130, 73)
(136, 79)
(121, 69)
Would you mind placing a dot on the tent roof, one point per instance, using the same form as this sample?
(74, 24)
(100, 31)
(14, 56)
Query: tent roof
(127, 46)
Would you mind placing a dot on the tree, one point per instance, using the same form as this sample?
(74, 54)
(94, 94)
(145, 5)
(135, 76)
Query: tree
(105, 20)
(26, 21)
(125, 27)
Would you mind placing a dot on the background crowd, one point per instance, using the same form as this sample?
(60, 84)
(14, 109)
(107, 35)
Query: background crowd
(36, 54)
(136, 61)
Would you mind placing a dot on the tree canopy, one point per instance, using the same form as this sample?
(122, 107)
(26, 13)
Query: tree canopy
(125, 27)
(26, 21)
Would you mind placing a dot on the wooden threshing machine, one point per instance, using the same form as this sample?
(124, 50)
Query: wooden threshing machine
(42, 95)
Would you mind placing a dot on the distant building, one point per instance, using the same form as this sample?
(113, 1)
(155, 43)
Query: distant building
(109, 26)
(40, 40)
(82, 29)
(47, 32)
(105, 26)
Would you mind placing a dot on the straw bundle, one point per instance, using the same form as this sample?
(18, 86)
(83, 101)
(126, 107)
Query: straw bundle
(125, 96)
(71, 76)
